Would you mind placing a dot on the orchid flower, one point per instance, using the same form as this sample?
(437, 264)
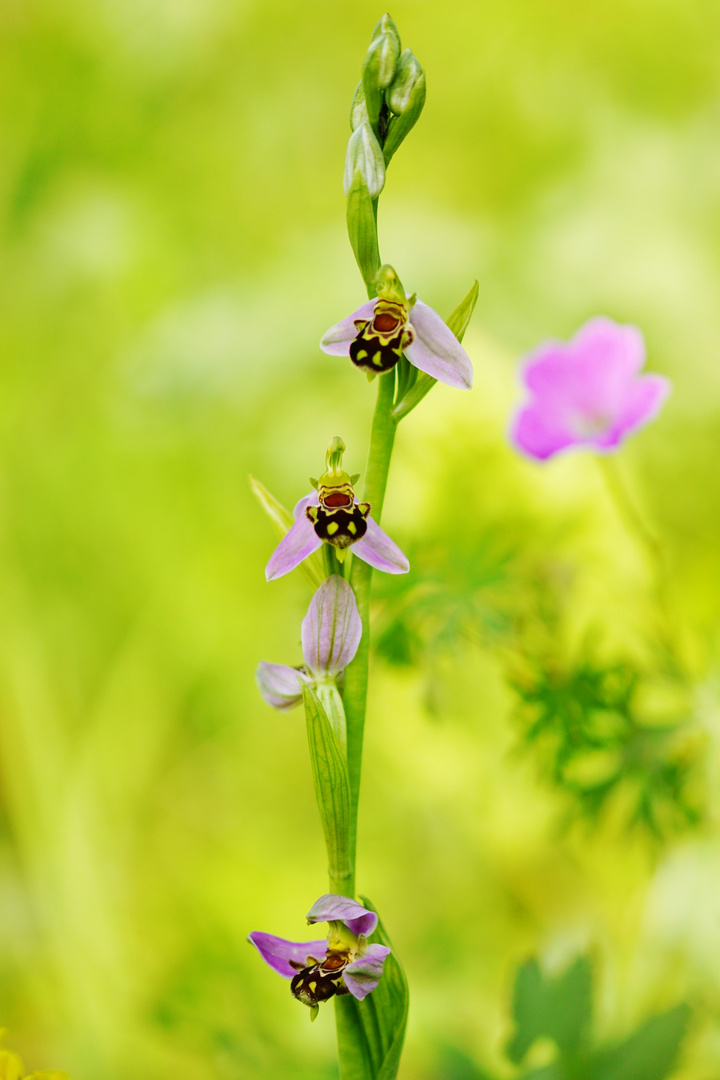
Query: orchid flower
(588, 392)
(344, 963)
(380, 331)
(332, 515)
(331, 633)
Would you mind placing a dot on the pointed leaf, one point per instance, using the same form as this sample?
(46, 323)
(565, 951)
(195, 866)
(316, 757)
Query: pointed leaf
(553, 1071)
(459, 319)
(651, 1053)
(458, 322)
(362, 230)
(455, 1064)
(332, 788)
(283, 520)
(371, 1032)
(559, 1007)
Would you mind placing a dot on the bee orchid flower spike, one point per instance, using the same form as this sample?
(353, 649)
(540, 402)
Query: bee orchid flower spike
(332, 515)
(380, 331)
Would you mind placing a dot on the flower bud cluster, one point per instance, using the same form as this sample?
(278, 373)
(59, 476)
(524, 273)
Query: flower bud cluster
(387, 103)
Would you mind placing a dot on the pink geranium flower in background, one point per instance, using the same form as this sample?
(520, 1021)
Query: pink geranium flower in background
(588, 392)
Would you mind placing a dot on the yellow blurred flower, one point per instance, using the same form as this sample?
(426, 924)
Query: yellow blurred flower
(52, 1075)
(11, 1067)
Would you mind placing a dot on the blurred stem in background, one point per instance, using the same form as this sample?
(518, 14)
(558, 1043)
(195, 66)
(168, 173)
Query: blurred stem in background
(629, 510)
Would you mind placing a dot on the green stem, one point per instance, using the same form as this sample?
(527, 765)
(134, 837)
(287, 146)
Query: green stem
(356, 674)
(629, 511)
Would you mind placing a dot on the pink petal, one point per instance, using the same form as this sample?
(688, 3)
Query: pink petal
(296, 545)
(307, 500)
(333, 908)
(589, 376)
(280, 684)
(436, 350)
(277, 952)
(336, 341)
(539, 432)
(378, 550)
(332, 628)
(362, 976)
(643, 401)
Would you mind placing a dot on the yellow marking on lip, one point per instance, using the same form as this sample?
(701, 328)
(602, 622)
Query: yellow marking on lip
(352, 527)
(332, 528)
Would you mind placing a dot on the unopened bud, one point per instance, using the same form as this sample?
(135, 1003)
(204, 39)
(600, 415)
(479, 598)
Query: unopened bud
(379, 67)
(364, 162)
(408, 83)
(385, 25)
(358, 109)
(383, 54)
(405, 98)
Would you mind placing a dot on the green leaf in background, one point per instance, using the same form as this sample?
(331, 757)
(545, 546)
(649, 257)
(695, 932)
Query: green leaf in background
(455, 1064)
(362, 230)
(282, 519)
(650, 1053)
(559, 1007)
(371, 1032)
(332, 788)
(458, 322)
(553, 1071)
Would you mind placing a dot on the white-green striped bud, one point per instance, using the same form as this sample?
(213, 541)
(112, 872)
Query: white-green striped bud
(405, 98)
(358, 109)
(364, 162)
(408, 84)
(385, 49)
(379, 67)
(385, 25)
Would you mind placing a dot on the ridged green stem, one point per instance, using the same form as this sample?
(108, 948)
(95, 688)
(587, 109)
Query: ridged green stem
(356, 674)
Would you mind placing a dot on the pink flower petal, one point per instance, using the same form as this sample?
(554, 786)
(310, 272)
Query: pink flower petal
(336, 341)
(587, 392)
(307, 500)
(378, 550)
(332, 628)
(643, 402)
(333, 908)
(277, 952)
(436, 350)
(296, 545)
(362, 976)
(280, 684)
(537, 431)
(590, 373)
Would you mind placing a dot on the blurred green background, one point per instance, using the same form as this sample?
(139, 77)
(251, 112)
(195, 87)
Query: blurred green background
(541, 773)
